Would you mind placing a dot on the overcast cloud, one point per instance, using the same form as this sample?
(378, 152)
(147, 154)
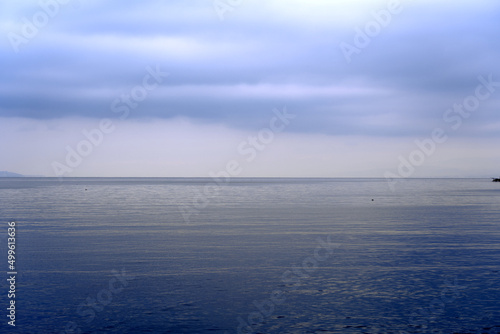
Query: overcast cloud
(355, 112)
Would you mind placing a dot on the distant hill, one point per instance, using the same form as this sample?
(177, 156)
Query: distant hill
(9, 174)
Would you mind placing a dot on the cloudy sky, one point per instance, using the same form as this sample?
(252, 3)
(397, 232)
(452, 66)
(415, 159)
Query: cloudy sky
(331, 88)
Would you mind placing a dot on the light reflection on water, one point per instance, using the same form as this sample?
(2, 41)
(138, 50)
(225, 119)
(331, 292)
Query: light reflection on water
(423, 259)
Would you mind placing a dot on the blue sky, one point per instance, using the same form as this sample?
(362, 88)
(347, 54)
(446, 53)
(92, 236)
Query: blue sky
(364, 80)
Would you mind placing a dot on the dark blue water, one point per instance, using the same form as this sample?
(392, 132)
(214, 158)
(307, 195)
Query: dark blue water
(136, 255)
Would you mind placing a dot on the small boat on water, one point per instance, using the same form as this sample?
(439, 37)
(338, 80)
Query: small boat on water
(496, 179)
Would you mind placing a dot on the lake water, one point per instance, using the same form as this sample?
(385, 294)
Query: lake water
(177, 255)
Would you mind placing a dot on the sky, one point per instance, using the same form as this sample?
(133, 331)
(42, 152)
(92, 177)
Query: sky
(277, 88)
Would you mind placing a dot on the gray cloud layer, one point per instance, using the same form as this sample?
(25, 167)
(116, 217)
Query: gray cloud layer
(264, 54)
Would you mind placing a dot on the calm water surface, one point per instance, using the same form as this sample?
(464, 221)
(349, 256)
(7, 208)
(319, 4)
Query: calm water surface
(422, 259)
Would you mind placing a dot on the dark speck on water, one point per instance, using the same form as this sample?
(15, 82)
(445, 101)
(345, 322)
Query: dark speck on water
(256, 255)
